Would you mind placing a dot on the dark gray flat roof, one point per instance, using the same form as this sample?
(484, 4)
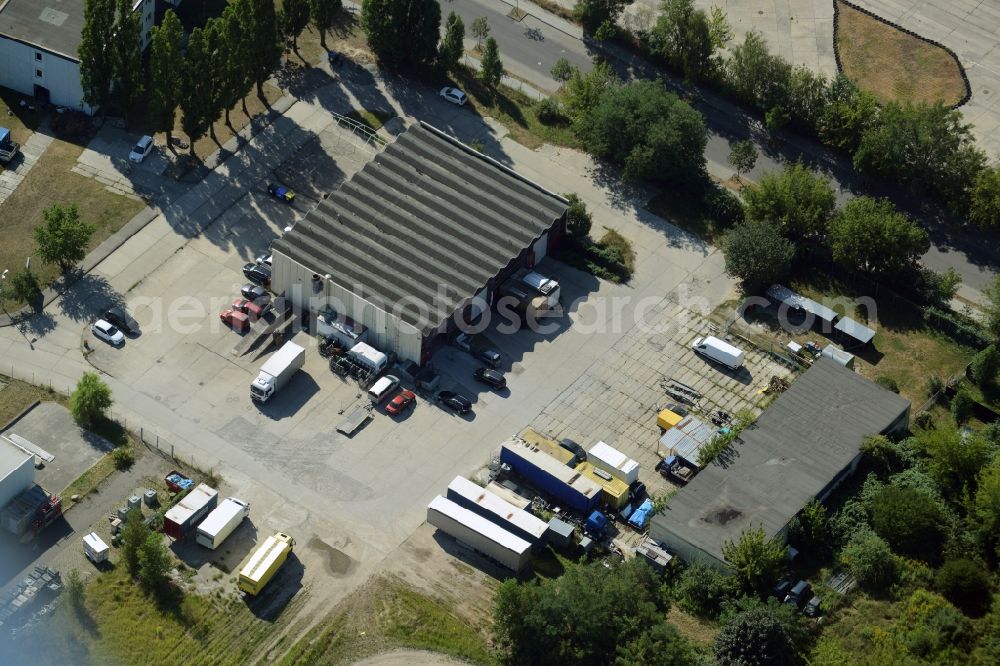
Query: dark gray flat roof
(808, 436)
(427, 222)
(54, 25)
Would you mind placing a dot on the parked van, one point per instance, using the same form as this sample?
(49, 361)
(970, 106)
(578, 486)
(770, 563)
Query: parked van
(719, 351)
(368, 357)
(382, 389)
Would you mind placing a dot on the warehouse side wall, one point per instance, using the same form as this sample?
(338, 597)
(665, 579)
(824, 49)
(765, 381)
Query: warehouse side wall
(17, 480)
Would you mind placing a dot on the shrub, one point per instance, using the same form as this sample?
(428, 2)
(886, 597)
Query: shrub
(549, 111)
(90, 400)
(755, 637)
(985, 366)
(962, 404)
(888, 383)
(724, 207)
(123, 457)
(869, 559)
(909, 521)
(578, 218)
(965, 584)
(934, 385)
(923, 420)
(702, 590)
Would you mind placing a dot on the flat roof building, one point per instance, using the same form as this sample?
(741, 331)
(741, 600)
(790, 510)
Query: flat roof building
(17, 471)
(417, 241)
(800, 448)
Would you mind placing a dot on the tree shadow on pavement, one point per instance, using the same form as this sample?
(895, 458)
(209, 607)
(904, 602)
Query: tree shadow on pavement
(88, 296)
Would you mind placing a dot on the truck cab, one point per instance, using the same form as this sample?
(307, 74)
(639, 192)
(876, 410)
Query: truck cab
(8, 147)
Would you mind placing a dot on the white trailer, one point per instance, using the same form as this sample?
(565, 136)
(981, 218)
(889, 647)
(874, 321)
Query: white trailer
(94, 548)
(478, 533)
(219, 524)
(614, 462)
(277, 371)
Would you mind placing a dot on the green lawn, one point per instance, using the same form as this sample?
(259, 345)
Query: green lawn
(15, 396)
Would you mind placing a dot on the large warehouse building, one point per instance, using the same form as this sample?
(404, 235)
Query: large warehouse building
(800, 448)
(38, 47)
(417, 241)
(17, 471)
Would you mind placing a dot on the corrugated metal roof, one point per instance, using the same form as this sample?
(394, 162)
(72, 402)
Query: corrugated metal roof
(427, 223)
(808, 436)
(498, 506)
(854, 329)
(478, 524)
(615, 489)
(686, 438)
(192, 503)
(785, 295)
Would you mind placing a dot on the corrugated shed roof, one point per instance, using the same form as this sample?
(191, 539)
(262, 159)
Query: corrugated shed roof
(686, 438)
(801, 443)
(854, 329)
(793, 300)
(426, 223)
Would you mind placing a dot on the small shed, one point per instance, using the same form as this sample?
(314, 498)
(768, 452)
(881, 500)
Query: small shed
(855, 332)
(686, 438)
(785, 296)
(654, 555)
(560, 533)
(838, 355)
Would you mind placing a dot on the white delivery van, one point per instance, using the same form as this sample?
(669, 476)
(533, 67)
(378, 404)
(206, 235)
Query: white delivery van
(719, 351)
(382, 389)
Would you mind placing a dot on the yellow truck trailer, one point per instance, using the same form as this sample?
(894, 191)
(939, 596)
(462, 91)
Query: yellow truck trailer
(264, 563)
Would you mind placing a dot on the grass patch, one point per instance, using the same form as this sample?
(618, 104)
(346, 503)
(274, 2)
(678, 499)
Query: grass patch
(19, 120)
(701, 632)
(373, 118)
(386, 614)
(15, 396)
(894, 65)
(516, 111)
(610, 258)
(51, 181)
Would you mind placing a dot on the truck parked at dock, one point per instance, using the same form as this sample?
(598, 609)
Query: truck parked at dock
(277, 371)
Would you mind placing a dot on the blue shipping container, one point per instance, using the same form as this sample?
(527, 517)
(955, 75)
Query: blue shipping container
(561, 491)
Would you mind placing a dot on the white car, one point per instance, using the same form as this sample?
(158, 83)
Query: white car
(141, 149)
(454, 95)
(105, 331)
(264, 259)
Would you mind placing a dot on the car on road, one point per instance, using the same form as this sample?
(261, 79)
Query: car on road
(491, 377)
(281, 193)
(107, 332)
(255, 293)
(120, 318)
(257, 273)
(578, 452)
(454, 95)
(404, 400)
(141, 149)
(454, 401)
(811, 609)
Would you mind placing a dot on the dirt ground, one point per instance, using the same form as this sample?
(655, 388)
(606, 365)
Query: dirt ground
(407, 658)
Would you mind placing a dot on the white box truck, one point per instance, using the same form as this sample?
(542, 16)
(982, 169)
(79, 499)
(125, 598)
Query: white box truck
(219, 524)
(719, 351)
(276, 372)
(94, 548)
(368, 357)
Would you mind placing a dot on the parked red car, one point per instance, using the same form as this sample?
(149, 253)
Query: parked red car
(404, 400)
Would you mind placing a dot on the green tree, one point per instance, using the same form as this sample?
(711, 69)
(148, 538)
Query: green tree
(91, 399)
(480, 30)
(154, 562)
(755, 637)
(196, 93)
(953, 460)
(233, 81)
(578, 218)
(63, 239)
(22, 286)
(75, 589)
(402, 32)
(909, 521)
(847, 115)
(796, 200)
(965, 584)
(808, 97)
(452, 48)
(962, 404)
(683, 37)
(871, 236)
(719, 29)
(757, 255)
(662, 645)
(263, 48)
(127, 57)
(215, 45)
(491, 72)
(755, 76)
(133, 536)
(97, 52)
(926, 147)
(756, 561)
(703, 590)
(984, 200)
(870, 560)
(986, 507)
(582, 92)
(984, 367)
(166, 65)
(743, 157)
(592, 14)
(322, 13)
(812, 527)
(294, 19)
(648, 130)
(562, 71)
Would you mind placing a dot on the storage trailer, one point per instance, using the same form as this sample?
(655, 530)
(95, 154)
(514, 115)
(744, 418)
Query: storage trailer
(479, 533)
(567, 486)
(497, 510)
(264, 563)
(181, 519)
(222, 522)
(614, 462)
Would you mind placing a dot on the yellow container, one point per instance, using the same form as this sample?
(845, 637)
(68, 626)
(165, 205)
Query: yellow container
(264, 563)
(667, 419)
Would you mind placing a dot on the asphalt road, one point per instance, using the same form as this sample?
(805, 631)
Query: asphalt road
(973, 254)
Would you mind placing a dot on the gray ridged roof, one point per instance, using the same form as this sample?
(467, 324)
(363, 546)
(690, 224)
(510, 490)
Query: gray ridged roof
(55, 26)
(795, 449)
(425, 212)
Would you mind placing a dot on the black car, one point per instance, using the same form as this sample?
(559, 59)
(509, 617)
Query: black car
(575, 449)
(637, 492)
(490, 357)
(120, 318)
(811, 609)
(781, 588)
(258, 273)
(454, 401)
(799, 594)
(491, 377)
(255, 293)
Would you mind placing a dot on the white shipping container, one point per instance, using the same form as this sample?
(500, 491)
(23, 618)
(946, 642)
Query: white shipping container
(222, 522)
(614, 462)
(94, 548)
(478, 533)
